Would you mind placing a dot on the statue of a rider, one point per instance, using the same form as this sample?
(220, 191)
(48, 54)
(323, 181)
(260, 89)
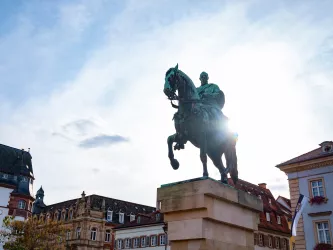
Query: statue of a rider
(213, 99)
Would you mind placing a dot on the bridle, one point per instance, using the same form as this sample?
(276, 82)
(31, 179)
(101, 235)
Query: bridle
(175, 97)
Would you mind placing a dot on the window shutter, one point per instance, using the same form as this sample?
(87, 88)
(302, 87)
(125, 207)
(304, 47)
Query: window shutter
(158, 240)
(256, 240)
(266, 240)
(288, 247)
(273, 242)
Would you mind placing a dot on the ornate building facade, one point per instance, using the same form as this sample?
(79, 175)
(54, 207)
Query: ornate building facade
(273, 230)
(89, 220)
(311, 175)
(16, 184)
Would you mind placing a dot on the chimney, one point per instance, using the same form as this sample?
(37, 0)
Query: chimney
(262, 185)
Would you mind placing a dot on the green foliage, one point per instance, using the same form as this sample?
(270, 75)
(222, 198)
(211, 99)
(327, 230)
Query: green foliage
(32, 234)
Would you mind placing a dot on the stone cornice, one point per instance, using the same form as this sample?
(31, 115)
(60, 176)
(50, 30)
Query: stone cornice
(307, 165)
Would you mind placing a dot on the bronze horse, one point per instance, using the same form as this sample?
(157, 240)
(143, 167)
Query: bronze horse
(197, 126)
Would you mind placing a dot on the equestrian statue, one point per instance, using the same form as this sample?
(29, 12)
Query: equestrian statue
(200, 120)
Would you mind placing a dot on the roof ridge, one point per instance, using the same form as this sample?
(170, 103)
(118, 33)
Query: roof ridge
(120, 200)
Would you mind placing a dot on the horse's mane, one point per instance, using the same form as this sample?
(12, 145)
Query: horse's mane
(182, 74)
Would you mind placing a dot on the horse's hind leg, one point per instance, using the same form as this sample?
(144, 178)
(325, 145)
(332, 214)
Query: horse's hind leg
(217, 160)
(203, 154)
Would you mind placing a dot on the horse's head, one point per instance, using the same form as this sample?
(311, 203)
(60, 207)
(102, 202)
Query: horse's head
(171, 80)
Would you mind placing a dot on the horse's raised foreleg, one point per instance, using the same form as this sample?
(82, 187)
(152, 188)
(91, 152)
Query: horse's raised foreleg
(174, 163)
(203, 154)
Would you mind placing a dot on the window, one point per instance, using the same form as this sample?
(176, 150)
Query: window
(143, 241)
(107, 236)
(68, 235)
(259, 196)
(278, 218)
(153, 240)
(132, 217)
(284, 244)
(270, 241)
(277, 243)
(162, 240)
(24, 179)
(109, 215)
(323, 232)
(127, 243)
(5, 176)
(93, 234)
(21, 204)
(158, 217)
(139, 219)
(268, 217)
(270, 201)
(78, 233)
(136, 242)
(119, 244)
(261, 240)
(121, 217)
(63, 215)
(71, 215)
(317, 187)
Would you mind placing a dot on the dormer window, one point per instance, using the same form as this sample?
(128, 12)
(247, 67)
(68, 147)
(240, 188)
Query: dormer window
(268, 217)
(328, 148)
(121, 218)
(109, 215)
(132, 217)
(278, 218)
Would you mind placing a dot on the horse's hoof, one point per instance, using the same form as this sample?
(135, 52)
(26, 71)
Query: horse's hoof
(224, 179)
(174, 164)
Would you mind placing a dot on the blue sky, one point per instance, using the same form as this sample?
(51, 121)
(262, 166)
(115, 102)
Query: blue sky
(81, 85)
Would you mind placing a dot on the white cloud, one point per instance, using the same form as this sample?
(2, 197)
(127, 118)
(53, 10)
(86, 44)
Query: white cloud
(259, 65)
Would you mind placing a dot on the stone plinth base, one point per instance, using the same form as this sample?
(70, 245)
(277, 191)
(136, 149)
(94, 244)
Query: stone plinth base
(204, 214)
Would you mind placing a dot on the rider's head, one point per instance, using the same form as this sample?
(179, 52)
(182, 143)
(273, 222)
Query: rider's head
(204, 78)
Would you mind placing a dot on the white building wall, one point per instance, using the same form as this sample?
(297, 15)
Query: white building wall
(4, 199)
(141, 231)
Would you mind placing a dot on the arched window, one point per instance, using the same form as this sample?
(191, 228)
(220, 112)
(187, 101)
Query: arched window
(107, 235)
(68, 235)
(78, 233)
(71, 215)
(21, 204)
(93, 233)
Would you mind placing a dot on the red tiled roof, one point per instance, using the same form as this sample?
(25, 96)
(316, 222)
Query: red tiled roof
(314, 154)
(271, 206)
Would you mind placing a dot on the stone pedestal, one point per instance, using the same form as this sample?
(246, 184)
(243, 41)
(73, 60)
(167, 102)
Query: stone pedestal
(204, 214)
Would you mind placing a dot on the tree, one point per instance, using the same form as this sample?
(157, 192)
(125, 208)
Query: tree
(32, 234)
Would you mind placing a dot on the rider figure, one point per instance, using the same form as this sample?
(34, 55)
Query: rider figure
(213, 99)
(212, 96)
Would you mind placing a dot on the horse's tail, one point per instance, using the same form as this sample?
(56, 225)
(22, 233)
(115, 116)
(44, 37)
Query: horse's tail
(231, 161)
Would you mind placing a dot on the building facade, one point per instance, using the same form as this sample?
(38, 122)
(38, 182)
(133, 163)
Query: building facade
(16, 184)
(311, 174)
(146, 231)
(89, 220)
(273, 230)
(285, 206)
